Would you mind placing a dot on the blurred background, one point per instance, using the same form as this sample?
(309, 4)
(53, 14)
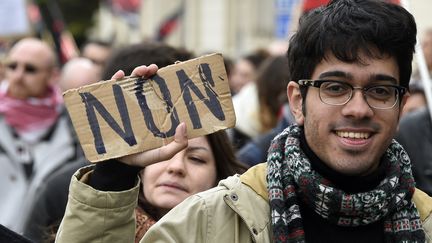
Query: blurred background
(231, 27)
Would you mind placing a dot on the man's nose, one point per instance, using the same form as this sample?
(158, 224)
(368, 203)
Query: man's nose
(357, 106)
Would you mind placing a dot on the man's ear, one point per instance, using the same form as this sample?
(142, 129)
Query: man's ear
(403, 102)
(295, 102)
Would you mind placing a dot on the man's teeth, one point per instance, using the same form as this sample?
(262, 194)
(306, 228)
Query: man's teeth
(363, 135)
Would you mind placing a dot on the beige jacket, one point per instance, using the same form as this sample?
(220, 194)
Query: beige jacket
(242, 215)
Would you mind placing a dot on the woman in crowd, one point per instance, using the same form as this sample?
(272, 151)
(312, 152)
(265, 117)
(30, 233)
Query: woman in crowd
(196, 168)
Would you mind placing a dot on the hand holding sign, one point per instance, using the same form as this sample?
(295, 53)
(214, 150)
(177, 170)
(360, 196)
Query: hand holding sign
(128, 115)
(165, 152)
(140, 71)
(159, 154)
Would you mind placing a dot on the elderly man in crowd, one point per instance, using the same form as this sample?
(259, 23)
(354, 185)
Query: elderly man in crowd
(35, 138)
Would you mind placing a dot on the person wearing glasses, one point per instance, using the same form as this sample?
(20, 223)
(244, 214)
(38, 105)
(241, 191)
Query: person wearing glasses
(35, 138)
(337, 175)
(97, 52)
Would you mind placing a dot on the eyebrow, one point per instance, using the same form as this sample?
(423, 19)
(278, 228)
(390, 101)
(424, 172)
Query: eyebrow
(375, 77)
(335, 74)
(383, 77)
(191, 149)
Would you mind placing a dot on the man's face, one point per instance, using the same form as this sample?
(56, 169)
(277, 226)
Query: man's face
(28, 70)
(349, 138)
(243, 73)
(97, 54)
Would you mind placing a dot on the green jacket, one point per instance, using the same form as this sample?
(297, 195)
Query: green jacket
(242, 215)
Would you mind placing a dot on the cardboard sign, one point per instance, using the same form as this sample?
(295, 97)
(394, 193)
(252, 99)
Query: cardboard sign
(119, 117)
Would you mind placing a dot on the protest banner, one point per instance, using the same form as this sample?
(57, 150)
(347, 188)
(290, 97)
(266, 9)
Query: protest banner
(13, 18)
(114, 118)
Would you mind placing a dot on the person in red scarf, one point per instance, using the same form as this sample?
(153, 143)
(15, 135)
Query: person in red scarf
(36, 138)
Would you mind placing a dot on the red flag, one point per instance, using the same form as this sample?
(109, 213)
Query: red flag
(395, 1)
(52, 18)
(311, 4)
(169, 25)
(126, 5)
(68, 46)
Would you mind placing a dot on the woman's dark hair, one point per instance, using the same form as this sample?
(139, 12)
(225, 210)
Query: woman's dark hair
(128, 57)
(223, 152)
(347, 28)
(272, 80)
(257, 57)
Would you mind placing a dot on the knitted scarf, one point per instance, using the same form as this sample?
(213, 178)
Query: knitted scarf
(143, 223)
(290, 176)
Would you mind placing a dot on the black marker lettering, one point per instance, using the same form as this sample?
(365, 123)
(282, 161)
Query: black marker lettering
(148, 117)
(92, 104)
(212, 102)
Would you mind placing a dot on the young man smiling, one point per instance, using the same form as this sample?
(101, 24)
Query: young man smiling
(338, 175)
(335, 176)
(341, 124)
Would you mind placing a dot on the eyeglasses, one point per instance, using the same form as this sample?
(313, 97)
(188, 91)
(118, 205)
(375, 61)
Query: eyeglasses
(380, 96)
(28, 68)
(97, 62)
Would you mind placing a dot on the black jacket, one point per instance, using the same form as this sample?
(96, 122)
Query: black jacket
(415, 135)
(7, 235)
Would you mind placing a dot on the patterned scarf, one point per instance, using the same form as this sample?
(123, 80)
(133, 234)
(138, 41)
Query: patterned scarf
(143, 223)
(32, 114)
(290, 172)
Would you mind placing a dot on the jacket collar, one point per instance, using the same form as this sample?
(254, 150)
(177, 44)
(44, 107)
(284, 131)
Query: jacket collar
(255, 178)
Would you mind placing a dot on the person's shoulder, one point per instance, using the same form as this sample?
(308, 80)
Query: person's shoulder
(63, 175)
(223, 187)
(236, 189)
(255, 178)
(423, 203)
(420, 115)
(414, 123)
(211, 216)
(7, 235)
(232, 189)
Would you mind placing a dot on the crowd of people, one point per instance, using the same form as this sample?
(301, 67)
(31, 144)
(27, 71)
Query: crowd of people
(331, 143)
